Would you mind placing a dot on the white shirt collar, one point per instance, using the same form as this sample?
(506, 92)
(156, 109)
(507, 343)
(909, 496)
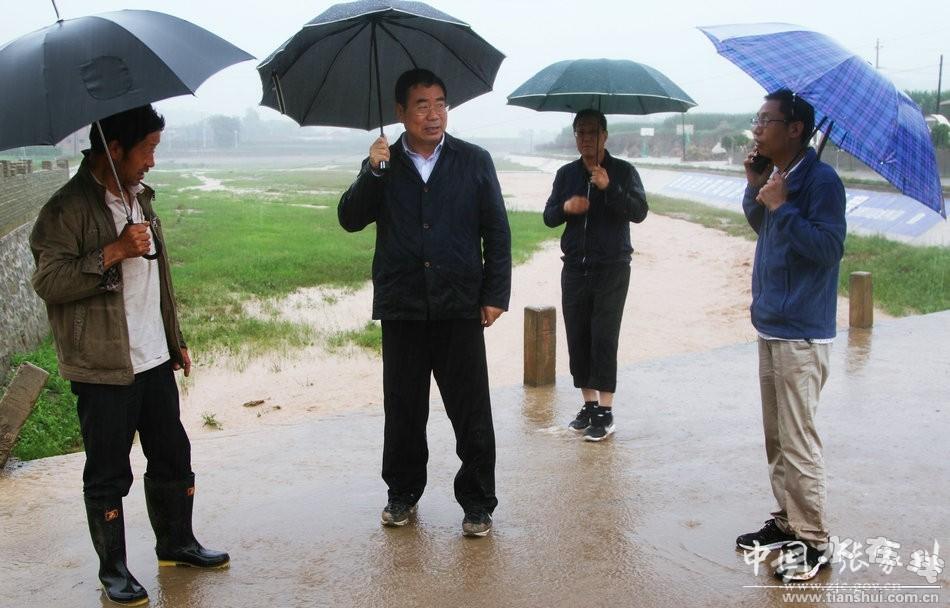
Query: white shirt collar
(416, 155)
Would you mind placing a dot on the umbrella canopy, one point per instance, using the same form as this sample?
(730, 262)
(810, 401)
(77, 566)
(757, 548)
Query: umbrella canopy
(341, 68)
(867, 115)
(613, 86)
(76, 71)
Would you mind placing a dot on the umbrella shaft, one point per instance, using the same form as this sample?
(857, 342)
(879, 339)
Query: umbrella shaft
(379, 92)
(105, 145)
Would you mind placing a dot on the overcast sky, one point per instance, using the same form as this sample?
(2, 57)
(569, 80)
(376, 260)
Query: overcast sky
(534, 34)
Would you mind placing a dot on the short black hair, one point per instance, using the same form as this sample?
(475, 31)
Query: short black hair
(794, 108)
(411, 78)
(590, 112)
(128, 128)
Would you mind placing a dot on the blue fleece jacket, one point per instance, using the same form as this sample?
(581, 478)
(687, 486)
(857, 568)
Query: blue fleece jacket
(800, 244)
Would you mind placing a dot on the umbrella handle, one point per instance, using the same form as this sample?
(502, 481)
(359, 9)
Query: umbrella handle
(158, 245)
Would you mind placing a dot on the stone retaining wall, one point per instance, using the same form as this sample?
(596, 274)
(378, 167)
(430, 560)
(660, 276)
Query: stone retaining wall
(23, 322)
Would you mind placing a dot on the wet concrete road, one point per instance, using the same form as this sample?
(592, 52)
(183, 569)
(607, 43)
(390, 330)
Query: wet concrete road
(647, 518)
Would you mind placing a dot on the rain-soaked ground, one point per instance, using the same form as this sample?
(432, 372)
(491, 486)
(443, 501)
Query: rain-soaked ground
(647, 518)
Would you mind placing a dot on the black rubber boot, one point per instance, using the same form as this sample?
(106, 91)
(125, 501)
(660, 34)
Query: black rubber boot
(107, 528)
(170, 505)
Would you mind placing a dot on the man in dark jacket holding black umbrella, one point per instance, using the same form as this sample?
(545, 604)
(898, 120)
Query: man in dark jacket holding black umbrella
(441, 275)
(597, 196)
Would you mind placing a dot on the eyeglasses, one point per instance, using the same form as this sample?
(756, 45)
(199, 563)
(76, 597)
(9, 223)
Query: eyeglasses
(424, 109)
(763, 121)
(583, 134)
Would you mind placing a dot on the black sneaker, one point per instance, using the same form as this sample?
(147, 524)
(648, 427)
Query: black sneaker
(769, 537)
(601, 424)
(800, 562)
(582, 421)
(397, 513)
(476, 524)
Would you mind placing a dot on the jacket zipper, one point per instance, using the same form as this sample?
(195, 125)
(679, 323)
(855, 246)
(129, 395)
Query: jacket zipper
(584, 239)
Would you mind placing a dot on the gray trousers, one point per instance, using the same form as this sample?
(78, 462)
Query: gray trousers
(791, 376)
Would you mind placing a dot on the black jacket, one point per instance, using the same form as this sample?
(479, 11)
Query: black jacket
(443, 248)
(602, 235)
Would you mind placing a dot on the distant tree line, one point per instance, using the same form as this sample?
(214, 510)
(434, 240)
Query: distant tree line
(730, 131)
(927, 100)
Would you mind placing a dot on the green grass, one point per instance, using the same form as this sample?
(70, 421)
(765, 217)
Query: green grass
(907, 279)
(211, 421)
(370, 337)
(504, 164)
(161, 181)
(227, 249)
(287, 182)
(53, 426)
(730, 222)
(528, 233)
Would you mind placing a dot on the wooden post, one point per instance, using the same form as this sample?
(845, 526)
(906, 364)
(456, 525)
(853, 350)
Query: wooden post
(540, 342)
(16, 405)
(861, 310)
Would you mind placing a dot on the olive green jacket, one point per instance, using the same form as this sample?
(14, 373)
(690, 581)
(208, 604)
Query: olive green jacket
(83, 300)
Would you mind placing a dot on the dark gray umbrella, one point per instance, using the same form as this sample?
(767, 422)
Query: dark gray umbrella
(613, 86)
(341, 68)
(76, 71)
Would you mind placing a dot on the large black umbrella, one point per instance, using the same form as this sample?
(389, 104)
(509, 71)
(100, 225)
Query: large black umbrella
(78, 71)
(68, 75)
(341, 68)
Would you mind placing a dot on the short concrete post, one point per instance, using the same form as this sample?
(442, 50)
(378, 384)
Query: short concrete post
(540, 343)
(861, 309)
(16, 405)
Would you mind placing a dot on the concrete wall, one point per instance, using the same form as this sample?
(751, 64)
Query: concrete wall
(23, 322)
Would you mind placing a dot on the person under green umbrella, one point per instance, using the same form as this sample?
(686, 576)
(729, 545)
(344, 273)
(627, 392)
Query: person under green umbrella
(596, 197)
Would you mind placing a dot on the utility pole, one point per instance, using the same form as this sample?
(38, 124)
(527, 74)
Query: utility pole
(939, 85)
(684, 135)
(877, 54)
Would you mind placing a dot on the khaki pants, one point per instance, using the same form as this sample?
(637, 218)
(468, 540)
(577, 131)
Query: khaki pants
(791, 376)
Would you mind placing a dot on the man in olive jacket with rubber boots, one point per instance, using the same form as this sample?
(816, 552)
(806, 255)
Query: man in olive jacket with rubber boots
(105, 278)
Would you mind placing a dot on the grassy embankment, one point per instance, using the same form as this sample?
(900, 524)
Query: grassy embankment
(230, 248)
(907, 280)
(279, 235)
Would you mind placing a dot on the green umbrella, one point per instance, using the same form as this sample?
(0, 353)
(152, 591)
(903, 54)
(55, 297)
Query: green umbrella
(612, 86)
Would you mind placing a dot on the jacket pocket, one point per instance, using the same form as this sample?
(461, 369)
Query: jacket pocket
(787, 291)
(79, 324)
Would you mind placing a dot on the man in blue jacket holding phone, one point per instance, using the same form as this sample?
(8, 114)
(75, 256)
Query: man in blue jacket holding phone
(796, 204)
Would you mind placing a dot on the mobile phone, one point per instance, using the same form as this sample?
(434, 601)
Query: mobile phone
(759, 162)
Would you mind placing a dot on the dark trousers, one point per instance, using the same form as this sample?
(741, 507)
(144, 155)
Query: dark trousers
(454, 352)
(110, 415)
(592, 302)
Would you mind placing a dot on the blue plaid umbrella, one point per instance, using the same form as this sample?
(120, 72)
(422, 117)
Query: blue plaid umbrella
(866, 114)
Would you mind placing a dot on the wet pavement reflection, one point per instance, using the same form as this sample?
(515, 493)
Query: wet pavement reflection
(647, 518)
